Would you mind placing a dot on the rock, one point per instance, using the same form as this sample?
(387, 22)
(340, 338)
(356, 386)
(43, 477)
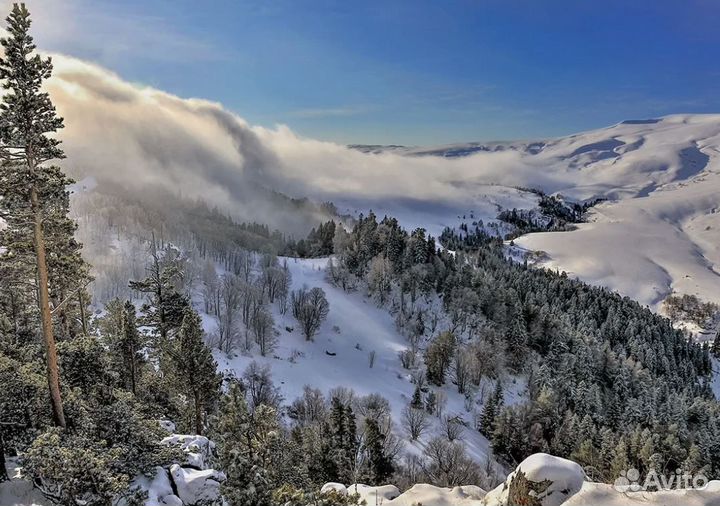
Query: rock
(337, 487)
(197, 487)
(540, 480)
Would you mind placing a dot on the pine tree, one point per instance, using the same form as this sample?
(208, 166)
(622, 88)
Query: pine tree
(27, 116)
(343, 440)
(195, 368)
(620, 462)
(247, 448)
(715, 348)
(380, 465)
(417, 400)
(166, 307)
(491, 411)
(130, 345)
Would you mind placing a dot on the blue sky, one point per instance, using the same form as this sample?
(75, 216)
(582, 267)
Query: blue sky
(408, 71)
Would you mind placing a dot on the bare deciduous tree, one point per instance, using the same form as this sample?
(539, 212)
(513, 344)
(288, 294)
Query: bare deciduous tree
(311, 309)
(262, 328)
(453, 427)
(260, 387)
(415, 422)
(448, 465)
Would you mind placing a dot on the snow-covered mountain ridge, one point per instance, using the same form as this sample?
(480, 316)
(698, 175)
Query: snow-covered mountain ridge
(657, 231)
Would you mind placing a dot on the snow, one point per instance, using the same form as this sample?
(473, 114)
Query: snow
(605, 495)
(482, 202)
(420, 494)
(19, 492)
(566, 479)
(660, 229)
(336, 487)
(159, 489)
(374, 495)
(190, 483)
(429, 495)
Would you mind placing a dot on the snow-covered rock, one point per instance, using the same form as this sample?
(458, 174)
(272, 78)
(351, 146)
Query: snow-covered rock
(197, 487)
(422, 494)
(167, 425)
(606, 495)
(334, 487)
(158, 488)
(428, 495)
(198, 449)
(374, 495)
(551, 480)
(190, 483)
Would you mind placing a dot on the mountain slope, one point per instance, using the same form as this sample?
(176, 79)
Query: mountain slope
(657, 231)
(357, 330)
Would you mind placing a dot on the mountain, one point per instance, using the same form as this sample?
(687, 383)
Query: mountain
(657, 230)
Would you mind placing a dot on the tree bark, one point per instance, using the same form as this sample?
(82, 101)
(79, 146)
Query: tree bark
(53, 375)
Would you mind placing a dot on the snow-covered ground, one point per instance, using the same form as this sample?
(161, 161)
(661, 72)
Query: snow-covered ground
(19, 492)
(567, 485)
(484, 202)
(339, 356)
(659, 232)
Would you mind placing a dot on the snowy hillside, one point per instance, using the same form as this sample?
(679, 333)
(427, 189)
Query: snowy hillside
(659, 232)
(357, 347)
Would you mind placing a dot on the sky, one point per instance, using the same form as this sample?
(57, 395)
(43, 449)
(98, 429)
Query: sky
(413, 72)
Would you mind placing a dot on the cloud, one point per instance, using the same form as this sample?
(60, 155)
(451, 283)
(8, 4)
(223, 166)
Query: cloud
(130, 133)
(138, 137)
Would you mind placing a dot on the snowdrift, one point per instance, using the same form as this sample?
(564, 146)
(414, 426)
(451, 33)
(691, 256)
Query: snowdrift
(540, 480)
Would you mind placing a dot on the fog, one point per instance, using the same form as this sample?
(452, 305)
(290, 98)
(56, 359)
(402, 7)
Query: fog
(134, 136)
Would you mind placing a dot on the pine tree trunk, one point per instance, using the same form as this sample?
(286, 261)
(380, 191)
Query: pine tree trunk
(53, 375)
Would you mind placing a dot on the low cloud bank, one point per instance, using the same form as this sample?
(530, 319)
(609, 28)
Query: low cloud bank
(131, 135)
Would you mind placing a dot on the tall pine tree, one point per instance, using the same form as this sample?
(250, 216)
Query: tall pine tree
(27, 117)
